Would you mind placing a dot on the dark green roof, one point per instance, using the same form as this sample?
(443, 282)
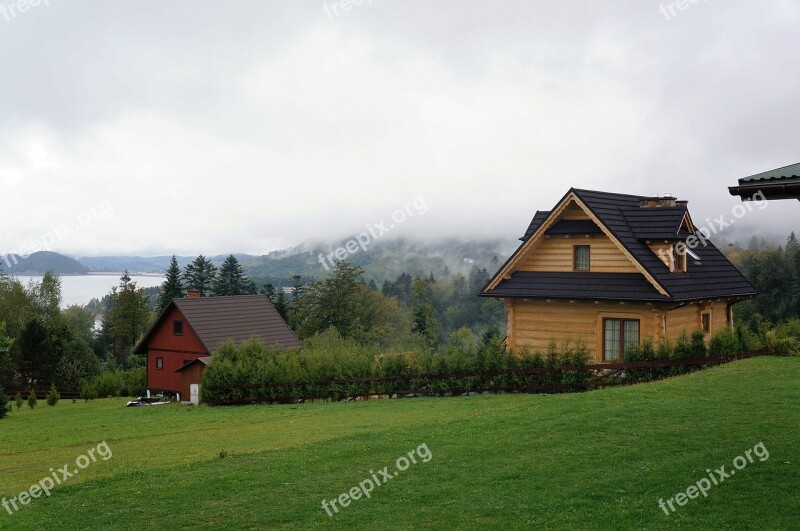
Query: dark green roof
(781, 183)
(787, 172)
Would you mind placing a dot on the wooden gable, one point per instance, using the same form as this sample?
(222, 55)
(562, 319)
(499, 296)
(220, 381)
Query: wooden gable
(542, 252)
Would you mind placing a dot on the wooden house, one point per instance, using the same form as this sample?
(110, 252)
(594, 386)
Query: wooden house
(185, 335)
(611, 269)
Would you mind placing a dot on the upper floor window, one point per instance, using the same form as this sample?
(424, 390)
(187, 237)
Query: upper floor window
(160, 364)
(678, 259)
(177, 328)
(580, 258)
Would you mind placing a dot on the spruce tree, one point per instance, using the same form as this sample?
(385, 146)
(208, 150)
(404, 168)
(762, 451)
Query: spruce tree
(231, 279)
(199, 275)
(172, 288)
(269, 291)
(282, 305)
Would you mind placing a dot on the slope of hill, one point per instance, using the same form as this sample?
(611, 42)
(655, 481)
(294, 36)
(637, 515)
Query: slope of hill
(145, 264)
(41, 262)
(597, 460)
(384, 259)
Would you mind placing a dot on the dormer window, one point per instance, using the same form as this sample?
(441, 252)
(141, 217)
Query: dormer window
(580, 260)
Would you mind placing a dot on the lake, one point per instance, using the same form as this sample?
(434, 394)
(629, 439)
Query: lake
(82, 289)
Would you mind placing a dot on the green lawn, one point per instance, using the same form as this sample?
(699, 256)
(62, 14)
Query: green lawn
(592, 460)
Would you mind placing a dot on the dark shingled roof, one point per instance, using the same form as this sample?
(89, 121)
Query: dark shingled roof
(709, 276)
(657, 223)
(237, 318)
(578, 285)
(781, 183)
(537, 220)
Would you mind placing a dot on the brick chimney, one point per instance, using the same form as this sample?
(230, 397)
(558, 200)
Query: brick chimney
(194, 294)
(666, 200)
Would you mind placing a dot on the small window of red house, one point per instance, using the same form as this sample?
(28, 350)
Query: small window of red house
(160, 364)
(177, 328)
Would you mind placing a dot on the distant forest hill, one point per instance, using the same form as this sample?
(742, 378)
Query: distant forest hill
(382, 260)
(40, 262)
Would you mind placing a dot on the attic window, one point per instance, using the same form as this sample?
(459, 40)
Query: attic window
(580, 258)
(177, 328)
(678, 260)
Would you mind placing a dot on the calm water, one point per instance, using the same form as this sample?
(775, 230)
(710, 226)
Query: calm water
(82, 289)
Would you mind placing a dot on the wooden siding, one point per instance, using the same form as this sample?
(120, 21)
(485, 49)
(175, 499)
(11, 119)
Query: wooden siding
(535, 323)
(665, 255)
(556, 254)
(174, 349)
(192, 375)
(573, 211)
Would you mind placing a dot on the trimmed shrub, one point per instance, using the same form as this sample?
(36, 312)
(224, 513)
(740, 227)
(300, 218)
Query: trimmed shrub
(698, 344)
(683, 347)
(53, 397)
(723, 343)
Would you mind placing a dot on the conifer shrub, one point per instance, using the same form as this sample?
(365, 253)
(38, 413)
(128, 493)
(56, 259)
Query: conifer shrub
(53, 396)
(32, 399)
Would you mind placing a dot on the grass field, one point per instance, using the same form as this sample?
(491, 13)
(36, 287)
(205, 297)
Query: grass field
(592, 460)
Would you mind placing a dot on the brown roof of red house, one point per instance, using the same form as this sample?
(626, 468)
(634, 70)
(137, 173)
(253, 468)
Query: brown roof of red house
(237, 318)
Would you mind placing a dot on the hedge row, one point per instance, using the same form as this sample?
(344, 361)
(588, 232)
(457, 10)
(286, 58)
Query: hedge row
(329, 367)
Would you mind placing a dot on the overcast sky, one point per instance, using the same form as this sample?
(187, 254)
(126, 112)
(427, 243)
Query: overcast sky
(153, 127)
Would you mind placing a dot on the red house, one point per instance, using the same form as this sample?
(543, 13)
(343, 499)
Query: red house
(194, 327)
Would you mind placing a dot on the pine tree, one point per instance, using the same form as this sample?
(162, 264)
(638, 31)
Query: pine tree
(172, 288)
(231, 279)
(423, 314)
(269, 291)
(199, 275)
(282, 305)
(128, 317)
(19, 401)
